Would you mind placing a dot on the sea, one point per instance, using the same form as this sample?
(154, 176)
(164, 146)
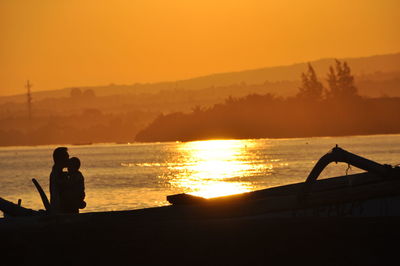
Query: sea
(141, 175)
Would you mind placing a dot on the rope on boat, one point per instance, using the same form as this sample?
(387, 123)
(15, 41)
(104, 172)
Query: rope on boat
(348, 168)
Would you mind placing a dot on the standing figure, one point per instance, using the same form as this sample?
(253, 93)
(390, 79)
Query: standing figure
(58, 178)
(75, 193)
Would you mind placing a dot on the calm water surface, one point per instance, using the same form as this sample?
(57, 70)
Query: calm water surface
(140, 175)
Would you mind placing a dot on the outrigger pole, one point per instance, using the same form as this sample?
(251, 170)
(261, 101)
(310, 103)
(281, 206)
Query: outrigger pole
(340, 155)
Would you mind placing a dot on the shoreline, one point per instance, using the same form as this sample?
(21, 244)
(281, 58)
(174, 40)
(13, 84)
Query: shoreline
(181, 141)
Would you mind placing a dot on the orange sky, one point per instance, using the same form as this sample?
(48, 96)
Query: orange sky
(64, 43)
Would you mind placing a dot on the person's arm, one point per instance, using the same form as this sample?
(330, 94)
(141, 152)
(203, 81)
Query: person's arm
(82, 185)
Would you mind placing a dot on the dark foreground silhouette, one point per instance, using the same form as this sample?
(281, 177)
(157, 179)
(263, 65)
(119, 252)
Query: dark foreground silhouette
(300, 241)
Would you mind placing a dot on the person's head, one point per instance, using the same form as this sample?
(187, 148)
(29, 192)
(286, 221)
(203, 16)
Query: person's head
(61, 156)
(74, 164)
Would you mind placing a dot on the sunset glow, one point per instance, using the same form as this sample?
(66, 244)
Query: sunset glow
(210, 165)
(193, 129)
(61, 44)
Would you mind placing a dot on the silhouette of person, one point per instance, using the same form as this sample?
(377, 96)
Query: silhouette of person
(58, 178)
(74, 194)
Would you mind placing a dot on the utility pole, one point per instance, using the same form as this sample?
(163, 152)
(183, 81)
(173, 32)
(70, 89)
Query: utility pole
(28, 86)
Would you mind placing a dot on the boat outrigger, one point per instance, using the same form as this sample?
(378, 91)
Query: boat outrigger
(376, 192)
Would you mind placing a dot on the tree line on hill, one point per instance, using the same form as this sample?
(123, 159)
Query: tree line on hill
(316, 110)
(89, 126)
(320, 108)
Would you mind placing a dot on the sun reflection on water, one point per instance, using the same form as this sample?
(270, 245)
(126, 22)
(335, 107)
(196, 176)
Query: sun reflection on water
(213, 168)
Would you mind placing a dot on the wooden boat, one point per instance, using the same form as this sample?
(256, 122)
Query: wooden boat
(375, 192)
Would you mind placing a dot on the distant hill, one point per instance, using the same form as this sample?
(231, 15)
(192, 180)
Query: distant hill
(364, 68)
(359, 66)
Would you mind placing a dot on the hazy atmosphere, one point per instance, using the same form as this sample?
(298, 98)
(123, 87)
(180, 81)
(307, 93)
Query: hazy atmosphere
(199, 132)
(59, 44)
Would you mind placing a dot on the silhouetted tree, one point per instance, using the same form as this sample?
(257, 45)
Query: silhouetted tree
(230, 100)
(341, 82)
(75, 93)
(89, 93)
(311, 88)
(197, 109)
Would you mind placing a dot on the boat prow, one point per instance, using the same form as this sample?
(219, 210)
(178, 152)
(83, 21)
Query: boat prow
(373, 193)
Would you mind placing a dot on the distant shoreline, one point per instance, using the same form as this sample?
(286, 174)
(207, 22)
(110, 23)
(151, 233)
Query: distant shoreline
(175, 141)
(282, 138)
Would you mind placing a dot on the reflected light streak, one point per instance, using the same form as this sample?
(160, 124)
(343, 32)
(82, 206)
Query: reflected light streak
(210, 166)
